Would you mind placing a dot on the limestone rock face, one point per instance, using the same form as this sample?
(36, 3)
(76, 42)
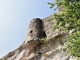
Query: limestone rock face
(34, 47)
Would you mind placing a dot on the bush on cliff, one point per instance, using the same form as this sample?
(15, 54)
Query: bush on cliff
(68, 18)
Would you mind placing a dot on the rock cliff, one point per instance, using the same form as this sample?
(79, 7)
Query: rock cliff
(41, 43)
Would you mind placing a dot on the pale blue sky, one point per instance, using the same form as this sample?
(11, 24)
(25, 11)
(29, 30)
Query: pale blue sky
(15, 16)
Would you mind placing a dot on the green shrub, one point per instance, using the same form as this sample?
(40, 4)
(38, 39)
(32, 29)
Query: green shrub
(68, 18)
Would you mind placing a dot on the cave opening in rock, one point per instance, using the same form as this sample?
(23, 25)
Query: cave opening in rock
(44, 34)
(31, 31)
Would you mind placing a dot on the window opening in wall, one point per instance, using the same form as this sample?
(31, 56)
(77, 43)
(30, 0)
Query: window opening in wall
(44, 34)
(31, 31)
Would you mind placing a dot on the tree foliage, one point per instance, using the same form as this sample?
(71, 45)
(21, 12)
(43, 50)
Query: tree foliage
(69, 18)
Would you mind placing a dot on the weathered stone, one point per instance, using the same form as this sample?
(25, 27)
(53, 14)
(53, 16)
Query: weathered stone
(34, 48)
(35, 29)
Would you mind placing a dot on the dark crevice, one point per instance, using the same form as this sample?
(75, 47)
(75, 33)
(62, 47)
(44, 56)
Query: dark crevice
(31, 31)
(44, 34)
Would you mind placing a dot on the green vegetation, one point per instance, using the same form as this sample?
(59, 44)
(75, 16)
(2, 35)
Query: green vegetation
(67, 19)
(45, 40)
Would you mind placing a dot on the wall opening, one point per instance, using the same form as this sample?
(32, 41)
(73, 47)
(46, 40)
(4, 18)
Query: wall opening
(31, 31)
(44, 34)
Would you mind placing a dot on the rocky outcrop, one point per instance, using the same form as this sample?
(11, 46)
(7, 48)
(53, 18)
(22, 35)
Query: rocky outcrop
(42, 43)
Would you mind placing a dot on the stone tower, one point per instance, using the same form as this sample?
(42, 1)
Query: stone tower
(35, 29)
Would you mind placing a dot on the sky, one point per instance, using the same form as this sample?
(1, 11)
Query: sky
(15, 16)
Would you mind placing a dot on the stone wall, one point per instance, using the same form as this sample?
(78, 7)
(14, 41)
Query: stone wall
(34, 48)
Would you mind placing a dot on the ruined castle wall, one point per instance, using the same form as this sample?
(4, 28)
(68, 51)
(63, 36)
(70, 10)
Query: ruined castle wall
(34, 48)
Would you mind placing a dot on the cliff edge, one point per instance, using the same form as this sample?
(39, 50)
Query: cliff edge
(41, 43)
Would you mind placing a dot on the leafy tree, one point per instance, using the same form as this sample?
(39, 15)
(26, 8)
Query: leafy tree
(68, 19)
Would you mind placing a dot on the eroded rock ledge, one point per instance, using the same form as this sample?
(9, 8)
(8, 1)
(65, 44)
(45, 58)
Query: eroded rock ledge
(34, 48)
